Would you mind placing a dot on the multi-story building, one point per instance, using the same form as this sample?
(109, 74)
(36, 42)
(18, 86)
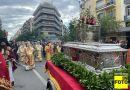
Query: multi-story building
(27, 26)
(47, 21)
(119, 9)
(98, 8)
(113, 8)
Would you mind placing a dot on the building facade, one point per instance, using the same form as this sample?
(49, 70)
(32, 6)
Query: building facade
(113, 8)
(118, 9)
(88, 4)
(27, 26)
(47, 21)
(98, 8)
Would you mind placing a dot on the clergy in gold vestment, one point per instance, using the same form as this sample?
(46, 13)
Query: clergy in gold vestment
(29, 57)
(38, 52)
(21, 52)
(48, 50)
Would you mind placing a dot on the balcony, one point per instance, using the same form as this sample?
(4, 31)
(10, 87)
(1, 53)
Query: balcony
(101, 5)
(127, 1)
(51, 25)
(50, 31)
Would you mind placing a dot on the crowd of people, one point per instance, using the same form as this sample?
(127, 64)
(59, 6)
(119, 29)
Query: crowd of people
(25, 53)
(31, 52)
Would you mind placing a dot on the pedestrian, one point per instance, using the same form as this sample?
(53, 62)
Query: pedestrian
(43, 45)
(10, 59)
(15, 49)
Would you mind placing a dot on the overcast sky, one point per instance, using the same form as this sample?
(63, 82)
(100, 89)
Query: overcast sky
(15, 12)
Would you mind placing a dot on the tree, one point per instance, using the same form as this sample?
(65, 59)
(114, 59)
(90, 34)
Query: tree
(73, 29)
(108, 25)
(25, 36)
(2, 33)
(65, 37)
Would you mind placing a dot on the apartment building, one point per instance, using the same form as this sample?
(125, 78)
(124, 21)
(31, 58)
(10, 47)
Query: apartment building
(119, 9)
(98, 8)
(47, 21)
(27, 26)
(113, 8)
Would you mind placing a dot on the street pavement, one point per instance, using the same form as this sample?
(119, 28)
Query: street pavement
(35, 79)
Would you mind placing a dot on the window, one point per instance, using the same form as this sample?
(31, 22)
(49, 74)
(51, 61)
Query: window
(128, 10)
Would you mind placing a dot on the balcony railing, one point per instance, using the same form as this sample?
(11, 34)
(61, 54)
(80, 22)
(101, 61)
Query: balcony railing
(111, 2)
(127, 1)
(48, 25)
(104, 6)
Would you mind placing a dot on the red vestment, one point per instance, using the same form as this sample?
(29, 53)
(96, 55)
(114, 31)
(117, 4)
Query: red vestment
(4, 74)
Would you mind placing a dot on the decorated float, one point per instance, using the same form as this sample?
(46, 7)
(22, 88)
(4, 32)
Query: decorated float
(88, 65)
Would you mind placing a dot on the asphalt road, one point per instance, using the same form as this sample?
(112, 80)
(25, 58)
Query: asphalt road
(35, 79)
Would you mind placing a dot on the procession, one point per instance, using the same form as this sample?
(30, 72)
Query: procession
(25, 53)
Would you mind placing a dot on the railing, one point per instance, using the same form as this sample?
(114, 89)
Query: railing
(48, 25)
(127, 1)
(47, 12)
(111, 2)
(101, 4)
(53, 18)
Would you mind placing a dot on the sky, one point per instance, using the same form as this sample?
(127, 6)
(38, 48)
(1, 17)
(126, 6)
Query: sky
(15, 12)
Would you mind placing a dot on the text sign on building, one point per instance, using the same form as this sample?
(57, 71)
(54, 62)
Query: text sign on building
(121, 81)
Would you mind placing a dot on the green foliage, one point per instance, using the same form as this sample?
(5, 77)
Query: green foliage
(2, 33)
(72, 34)
(88, 79)
(108, 24)
(73, 27)
(25, 36)
(30, 36)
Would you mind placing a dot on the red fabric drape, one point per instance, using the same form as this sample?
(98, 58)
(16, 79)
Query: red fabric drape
(64, 79)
